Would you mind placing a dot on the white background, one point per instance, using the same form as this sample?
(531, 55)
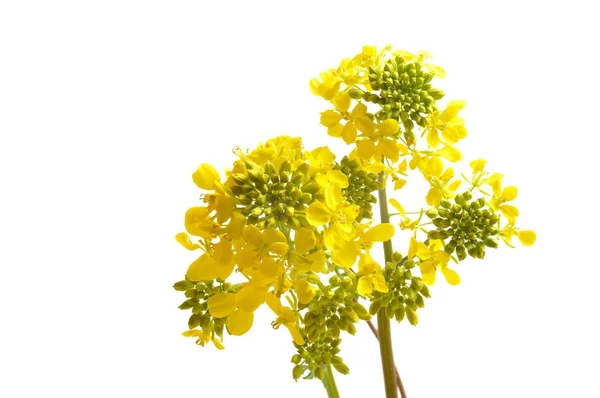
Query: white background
(107, 107)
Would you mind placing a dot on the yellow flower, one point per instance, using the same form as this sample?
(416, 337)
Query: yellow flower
(433, 258)
(445, 127)
(526, 237)
(285, 317)
(203, 338)
(327, 87)
(501, 196)
(205, 176)
(370, 276)
(432, 169)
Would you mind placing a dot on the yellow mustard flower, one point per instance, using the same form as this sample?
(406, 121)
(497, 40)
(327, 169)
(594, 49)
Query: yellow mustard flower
(285, 317)
(370, 276)
(432, 169)
(203, 338)
(446, 127)
(328, 86)
(501, 196)
(431, 259)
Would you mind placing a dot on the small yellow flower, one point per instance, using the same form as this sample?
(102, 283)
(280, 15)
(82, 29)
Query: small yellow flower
(445, 127)
(203, 338)
(327, 87)
(285, 317)
(434, 258)
(370, 276)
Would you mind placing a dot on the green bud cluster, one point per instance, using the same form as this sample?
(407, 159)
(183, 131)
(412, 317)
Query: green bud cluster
(470, 225)
(406, 292)
(405, 93)
(360, 185)
(315, 356)
(334, 309)
(197, 296)
(269, 197)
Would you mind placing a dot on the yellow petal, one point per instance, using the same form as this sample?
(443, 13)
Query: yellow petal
(339, 178)
(318, 214)
(278, 248)
(379, 283)
(389, 127)
(437, 71)
(271, 268)
(389, 149)
(509, 193)
(224, 207)
(239, 322)
(435, 167)
(317, 261)
(250, 297)
(349, 133)
(451, 276)
(478, 165)
(184, 240)
(427, 272)
(434, 197)
(198, 222)
(221, 304)
(345, 255)
(365, 149)
(450, 153)
(205, 176)
(527, 237)
(365, 125)
(295, 334)
(333, 195)
(379, 233)
(433, 138)
(330, 118)
(218, 344)
(399, 183)
(359, 110)
(342, 101)
(273, 235)
(304, 290)
(253, 236)
(375, 167)
(236, 225)
(452, 110)
(223, 253)
(423, 251)
(397, 206)
(335, 130)
(509, 211)
(203, 269)
(365, 286)
(305, 240)
(412, 248)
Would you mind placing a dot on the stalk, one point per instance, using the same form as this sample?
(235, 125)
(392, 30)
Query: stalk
(383, 322)
(329, 383)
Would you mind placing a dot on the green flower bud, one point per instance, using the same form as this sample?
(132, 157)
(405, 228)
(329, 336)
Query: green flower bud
(399, 314)
(412, 316)
(297, 371)
(182, 286)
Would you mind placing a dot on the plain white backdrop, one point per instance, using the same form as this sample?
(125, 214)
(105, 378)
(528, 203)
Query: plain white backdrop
(106, 108)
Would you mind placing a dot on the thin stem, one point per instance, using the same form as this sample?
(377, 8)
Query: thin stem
(383, 322)
(329, 383)
(398, 379)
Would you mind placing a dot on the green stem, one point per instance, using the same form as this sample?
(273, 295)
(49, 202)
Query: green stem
(383, 322)
(329, 383)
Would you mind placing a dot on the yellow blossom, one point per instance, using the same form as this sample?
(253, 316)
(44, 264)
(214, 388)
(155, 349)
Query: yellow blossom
(433, 258)
(285, 317)
(370, 276)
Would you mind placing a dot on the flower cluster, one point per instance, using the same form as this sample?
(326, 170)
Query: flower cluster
(294, 228)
